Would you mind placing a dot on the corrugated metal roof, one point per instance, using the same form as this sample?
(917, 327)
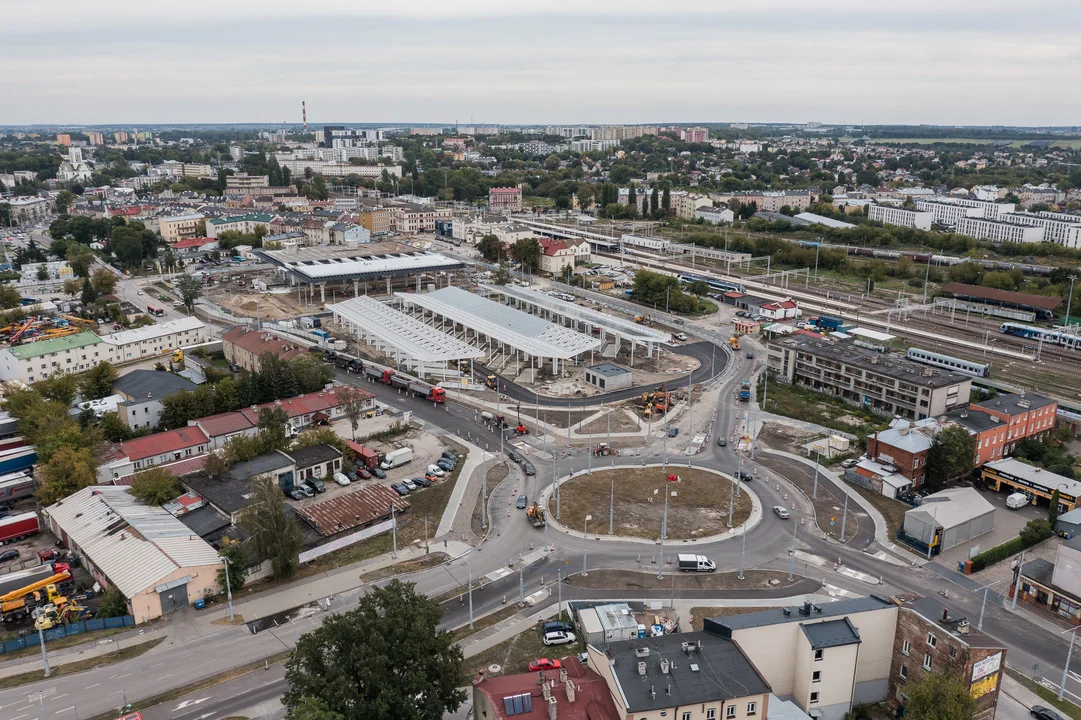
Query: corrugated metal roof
(134, 545)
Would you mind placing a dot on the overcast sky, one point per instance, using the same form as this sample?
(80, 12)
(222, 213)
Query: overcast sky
(555, 61)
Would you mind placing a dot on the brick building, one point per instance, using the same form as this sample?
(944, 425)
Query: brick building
(1026, 415)
(505, 198)
(245, 347)
(905, 445)
(934, 638)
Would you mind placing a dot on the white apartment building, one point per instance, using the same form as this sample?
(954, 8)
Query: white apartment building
(989, 209)
(887, 215)
(179, 227)
(1055, 229)
(593, 145)
(944, 213)
(983, 229)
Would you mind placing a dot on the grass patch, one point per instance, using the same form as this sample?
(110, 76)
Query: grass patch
(700, 508)
(809, 406)
(675, 580)
(487, 621)
(514, 655)
(1048, 696)
(496, 475)
(406, 567)
(699, 614)
(64, 642)
(79, 666)
(892, 510)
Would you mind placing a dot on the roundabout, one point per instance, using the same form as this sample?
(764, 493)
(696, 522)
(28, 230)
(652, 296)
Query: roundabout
(701, 502)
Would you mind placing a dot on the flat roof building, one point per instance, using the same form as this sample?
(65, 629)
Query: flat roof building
(607, 376)
(1033, 481)
(889, 215)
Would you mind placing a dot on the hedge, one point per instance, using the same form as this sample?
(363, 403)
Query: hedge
(1011, 547)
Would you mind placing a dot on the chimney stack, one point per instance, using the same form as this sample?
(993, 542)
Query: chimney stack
(546, 691)
(806, 608)
(552, 710)
(570, 692)
(945, 614)
(562, 674)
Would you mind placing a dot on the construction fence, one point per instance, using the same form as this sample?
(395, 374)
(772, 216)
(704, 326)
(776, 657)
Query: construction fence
(61, 631)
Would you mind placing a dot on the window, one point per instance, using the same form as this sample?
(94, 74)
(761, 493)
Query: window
(730, 711)
(931, 640)
(816, 676)
(686, 716)
(953, 652)
(926, 662)
(903, 672)
(814, 698)
(904, 647)
(752, 708)
(818, 655)
(711, 714)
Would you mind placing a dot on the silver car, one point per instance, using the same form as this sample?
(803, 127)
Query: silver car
(781, 512)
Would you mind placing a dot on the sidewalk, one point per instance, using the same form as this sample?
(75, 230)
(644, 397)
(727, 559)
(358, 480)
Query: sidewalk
(78, 653)
(1020, 693)
(475, 459)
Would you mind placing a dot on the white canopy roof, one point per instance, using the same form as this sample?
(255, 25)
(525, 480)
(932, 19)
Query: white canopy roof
(412, 337)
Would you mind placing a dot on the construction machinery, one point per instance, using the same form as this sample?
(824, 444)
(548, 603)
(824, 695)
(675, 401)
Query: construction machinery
(535, 514)
(659, 400)
(61, 611)
(604, 449)
(21, 331)
(733, 342)
(643, 319)
(492, 382)
(745, 391)
(521, 429)
(20, 602)
(79, 321)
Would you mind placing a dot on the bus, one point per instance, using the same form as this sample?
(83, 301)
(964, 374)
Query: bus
(154, 311)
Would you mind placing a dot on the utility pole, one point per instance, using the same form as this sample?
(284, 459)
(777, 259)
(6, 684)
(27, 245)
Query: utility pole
(814, 489)
(792, 555)
(555, 478)
(394, 532)
(612, 504)
(45, 655)
(742, 548)
(426, 549)
(1017, 581)
(844, 518)
(484, 496)
(1069, 299)
(521, 582)
(585, 539)
(228, 594)
(470, 569)
(664, 527)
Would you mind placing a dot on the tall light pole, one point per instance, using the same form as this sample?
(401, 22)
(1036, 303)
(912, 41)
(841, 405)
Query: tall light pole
(742, 548)
(228, 587)
(983, 605)
(664, 528)
(1017, 581)
(1069, 298)
(814, 489)
(612, 505)
(792, 555)
(393, 533)
(1069, 654)
(469, 568)
(585, 540)
(44, 655)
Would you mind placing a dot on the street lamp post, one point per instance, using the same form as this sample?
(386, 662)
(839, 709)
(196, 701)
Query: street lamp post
(1017, 581)
(814, 489)
(664, 528)
(393, 533)
(1069, 299)
(469, 568)
(1069, 654)
(742, 548)
(792, 555)
(228, 587)
(612, 505)
(983, 605)
(44, 655)
(585, 540)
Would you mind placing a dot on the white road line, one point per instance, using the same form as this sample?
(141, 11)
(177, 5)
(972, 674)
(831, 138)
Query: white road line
(157, 665)
(19, 716)
(60, 696)
(91, 686)
(64, 710)
(25, 707)
(123, 676)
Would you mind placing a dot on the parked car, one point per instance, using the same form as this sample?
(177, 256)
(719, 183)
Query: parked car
(450, 454)
(554, 625)
(409, 484)
(421, 482)
(435, 470)
(431, 478)
(341, 479)
(544, 664)
(523, 501)
(780, 512)
(673, 431)
(1044, 713)
(9, 555)
(750, 356)
(363, 472)
(528, 469)
(294, 493)
(515, 456)
(850, 462)
(722, 442)
(316, 485)
(558, 637)
(378, 472)
(445, 466)
(400, 489)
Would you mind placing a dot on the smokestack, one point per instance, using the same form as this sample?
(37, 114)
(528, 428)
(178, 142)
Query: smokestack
(551, 709)
(570, 691)
(304, 114)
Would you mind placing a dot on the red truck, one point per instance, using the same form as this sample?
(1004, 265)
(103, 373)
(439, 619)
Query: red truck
(383, 376)
(429, 392)
(18, 527)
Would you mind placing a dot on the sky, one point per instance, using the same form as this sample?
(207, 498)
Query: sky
(947, 62)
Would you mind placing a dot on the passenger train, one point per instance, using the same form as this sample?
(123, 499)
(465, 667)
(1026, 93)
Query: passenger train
(948, 362)
(714, 284)
(1048, 336)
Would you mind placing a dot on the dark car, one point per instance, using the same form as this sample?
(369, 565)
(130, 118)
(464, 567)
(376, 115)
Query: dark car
(523, 501)
(745, 476)
(1044, 713)
(378, 472)
(9, 555)
(673, 431)
(400, 489)
(445, 465)
(528, 469)
(295, 493)
(750, 356)
(515, 456)
(316, 485)
(422, 482)
(556, 625)
(450, 455)
(722, 441)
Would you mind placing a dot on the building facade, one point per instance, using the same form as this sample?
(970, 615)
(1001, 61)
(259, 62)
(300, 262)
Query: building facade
(505, 199)
(889, 215)
(1025, 414)
(180, 227)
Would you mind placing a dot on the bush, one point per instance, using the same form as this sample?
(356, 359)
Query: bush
(1034, 532)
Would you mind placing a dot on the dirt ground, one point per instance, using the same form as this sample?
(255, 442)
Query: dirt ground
(558, 418)
(779, 436)
(249, 303)
(623, 420)
(631, 580)
(699, 509)
(646, 372)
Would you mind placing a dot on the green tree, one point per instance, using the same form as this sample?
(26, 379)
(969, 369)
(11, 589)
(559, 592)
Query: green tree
(274, 532)
(87, 294)
(385, 660)
(272, 422)
(64, 199)
(236, 563)
(952, 455)
(60, 387)
(699, 288)
(655, 202)
(190, 289)
(585, 196)
(1052, 511)
(113, 428)
(526, 251)
(491, 248)
(154, 486)
(127, 245)
(43, 273)
(316, 189)
(939, 696)
(311, 374)
(313, 709)
(666, 201)
(97, 382)
(103, 280)
(9, 296)
(113, 604)
(351, 401)
(80, 258)
(67, 471)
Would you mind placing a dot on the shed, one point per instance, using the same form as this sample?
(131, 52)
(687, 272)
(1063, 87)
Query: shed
(607, 376)
(950, 517)
(1069, 524)
(589, 627)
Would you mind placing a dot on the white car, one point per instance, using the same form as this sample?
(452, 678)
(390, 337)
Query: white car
(558, 637)
(436, 470)
(139, 292)
(341, 479)
(780, 511)
(850, 462)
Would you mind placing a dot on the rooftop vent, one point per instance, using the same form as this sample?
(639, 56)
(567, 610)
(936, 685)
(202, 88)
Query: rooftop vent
(641, 652)
(642, 668)
(694, 667)
(665, 665)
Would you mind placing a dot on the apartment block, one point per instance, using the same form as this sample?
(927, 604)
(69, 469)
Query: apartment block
(243, 182)
(505, 198)
(95, 138)
(1025, 415)
(410, 218)
(889, 215)
(1056, 228)
(944, 213)
(884, 383)
(998, 231)
(180, 227)
(63, 139)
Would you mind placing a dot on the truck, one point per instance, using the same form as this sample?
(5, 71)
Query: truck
(377, 375)
(535, 514)
(13, 581)
(829, 323)
(499, 419)
(16, 459)
(695, 563)
(311, 322)
(430, 392)
(399, 382)
(348, 364)
(397, 458)
(15, 486)
(19, 526)
(20, 602)
(745, 391)
(733, 342)
(491, 382)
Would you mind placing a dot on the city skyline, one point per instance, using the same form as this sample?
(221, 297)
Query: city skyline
(622, 63)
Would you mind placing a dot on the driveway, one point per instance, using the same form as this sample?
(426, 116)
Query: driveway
(1008, 524)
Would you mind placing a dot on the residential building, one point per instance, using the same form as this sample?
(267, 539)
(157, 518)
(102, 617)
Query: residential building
(95, 138)
(934, 638)
(889, 215)
(825, 658)
(152, 558)
(695, 134)
(229, 493)
(376, 220)
(28, 210)
(683, 676)
(1053, 587)
(63, 139)
(905, 445)
(243, 182)
(574, 692)
(505, 199)
(769, 200)
(194, 246)
(555, 255)
(988, 209)
(131, 456)
(714, 215)
(35, 361)
(120, 137)
(154, 340)
(998, 231)
(884, 383)
(246, 224)
(947, 213)
(1058, 228)
(245, 347)
(1026, 414)
(181, 227)
(143, 392)
(318, 461)
(685, 204)
(948, 518)
(411, 218)
(988, 430)
(1035, 482)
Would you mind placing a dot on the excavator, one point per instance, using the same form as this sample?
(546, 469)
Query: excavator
(657, 401)
(535, 514)
(643, 319)
(61, 611)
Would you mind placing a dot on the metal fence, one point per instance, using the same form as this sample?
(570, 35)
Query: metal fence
(33, 640)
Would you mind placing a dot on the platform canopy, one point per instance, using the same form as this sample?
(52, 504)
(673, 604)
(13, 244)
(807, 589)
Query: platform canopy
(376, 321)
(310, 266)
(871, 335)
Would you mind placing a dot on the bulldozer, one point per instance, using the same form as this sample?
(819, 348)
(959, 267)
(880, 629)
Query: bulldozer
(733, 342)
(535, 514)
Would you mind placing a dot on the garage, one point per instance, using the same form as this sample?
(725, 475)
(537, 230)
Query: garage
(948, 518)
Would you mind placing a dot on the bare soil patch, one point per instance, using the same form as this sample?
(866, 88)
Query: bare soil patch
(699, 509)
(622, 422)
(633, 580)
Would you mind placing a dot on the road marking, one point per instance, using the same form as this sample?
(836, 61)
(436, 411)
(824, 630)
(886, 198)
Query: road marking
(64, 710)
(91, 686)
(186, 703)
(157, 665)
(26, 707)
(60, 696)
(20, 716)
(122, 676)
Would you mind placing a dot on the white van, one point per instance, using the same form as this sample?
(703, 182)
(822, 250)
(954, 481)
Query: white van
(436, 470)
(1016, 501)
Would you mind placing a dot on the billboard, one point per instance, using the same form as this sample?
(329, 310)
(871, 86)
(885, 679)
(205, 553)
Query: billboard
(988, 666)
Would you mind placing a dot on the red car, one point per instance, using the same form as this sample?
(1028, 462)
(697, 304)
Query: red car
(363, 472)
(544, 664)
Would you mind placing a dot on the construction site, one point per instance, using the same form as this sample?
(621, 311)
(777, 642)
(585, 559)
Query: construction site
(42, 327)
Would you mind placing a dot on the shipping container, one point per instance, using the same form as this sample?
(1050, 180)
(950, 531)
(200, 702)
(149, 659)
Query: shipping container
(16, 459)
(19, 526)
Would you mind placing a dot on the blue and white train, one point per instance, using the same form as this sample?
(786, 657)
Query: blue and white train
(1047, 336)
(948, 362)
(714, 284)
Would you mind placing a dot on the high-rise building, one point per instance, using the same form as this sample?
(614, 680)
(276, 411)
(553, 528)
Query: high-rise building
(95, 138)
(63, 139)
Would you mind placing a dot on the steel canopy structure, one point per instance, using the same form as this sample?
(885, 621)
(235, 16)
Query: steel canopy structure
(622, 328)
(416, 345)
(533, 336)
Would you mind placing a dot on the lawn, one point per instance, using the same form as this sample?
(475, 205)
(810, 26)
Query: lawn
(78, 666)
(892, 510)
(819, 408)
(699, 509)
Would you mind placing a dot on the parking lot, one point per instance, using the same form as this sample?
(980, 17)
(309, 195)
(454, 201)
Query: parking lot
(1008, 523)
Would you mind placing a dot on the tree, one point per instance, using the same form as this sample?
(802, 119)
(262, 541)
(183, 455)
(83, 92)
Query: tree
(311, 374)
(113, 428)
(272, 422)
(699, 288)
(68, 471)
(73, 287)
(274, 532)
(316, 189)
(60, 387)
(9, 296)
(87, 294)
(97, 382)
(319, 436)
(64, 199)
(351, 401)
(385, 660)
(666, 201)
(127, 245)
(80, 258)
(103, 280)
(313, 709)
(1052, 512)
(526, 251)
(939, 696)
(236, 563)
(190, 288)
(951, 455)
(655, 202)
(113, 604)
(43, 273)
(491, 248)
(154, 486)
